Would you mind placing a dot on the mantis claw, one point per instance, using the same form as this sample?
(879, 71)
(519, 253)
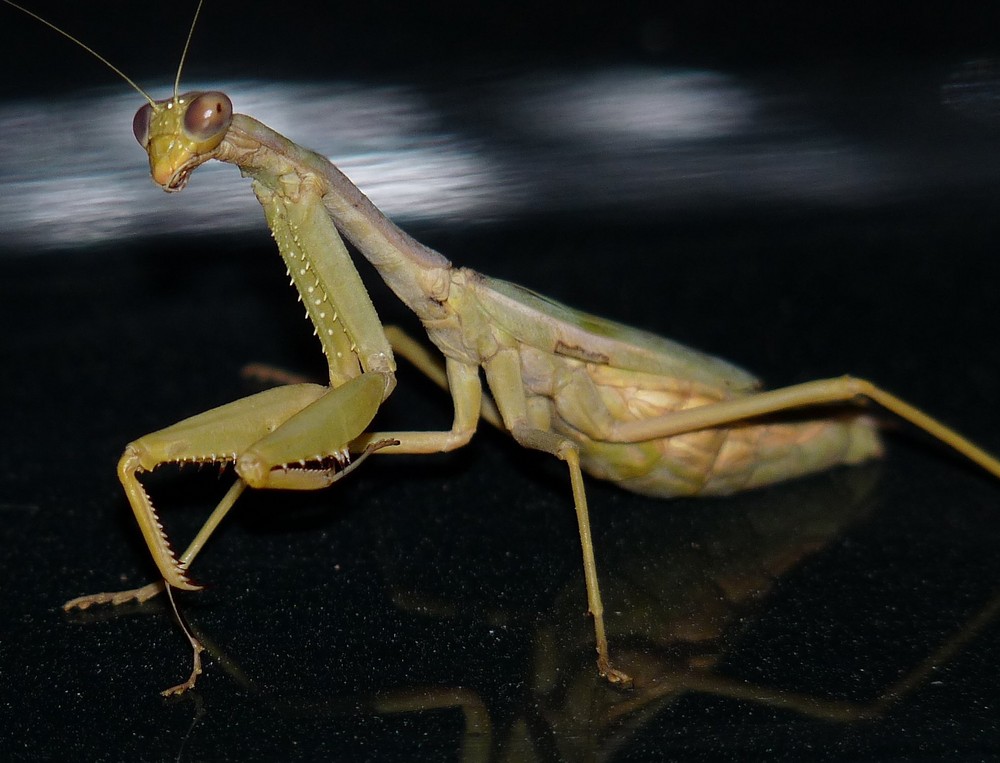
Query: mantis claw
(115, 598)
(613, 676)
(192, 679)
(196, 650)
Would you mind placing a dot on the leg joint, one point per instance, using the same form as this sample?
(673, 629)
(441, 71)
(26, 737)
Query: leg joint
(458, 438)
(130, 462)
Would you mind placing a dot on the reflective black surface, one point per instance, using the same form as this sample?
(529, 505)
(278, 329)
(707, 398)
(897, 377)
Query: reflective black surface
(349, 624)
(432, 608)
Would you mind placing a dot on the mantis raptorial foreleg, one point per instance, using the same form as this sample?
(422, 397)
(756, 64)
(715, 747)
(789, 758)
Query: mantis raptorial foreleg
(268, 436)
(263, 435)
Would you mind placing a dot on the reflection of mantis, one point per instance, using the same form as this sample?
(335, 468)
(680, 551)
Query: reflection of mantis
(692, 595)
(624, 405)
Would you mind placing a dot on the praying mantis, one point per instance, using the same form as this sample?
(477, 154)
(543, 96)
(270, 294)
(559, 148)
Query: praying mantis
(621, 404)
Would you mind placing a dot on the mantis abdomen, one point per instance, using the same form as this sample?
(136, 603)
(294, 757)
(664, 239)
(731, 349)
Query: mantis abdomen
(585, 400)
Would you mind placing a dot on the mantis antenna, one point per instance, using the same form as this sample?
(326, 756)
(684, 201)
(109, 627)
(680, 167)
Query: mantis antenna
(106, 62)
(187, 44)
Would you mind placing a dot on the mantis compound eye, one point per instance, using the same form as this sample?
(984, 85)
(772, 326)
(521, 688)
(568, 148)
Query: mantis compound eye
(140, 124)
(208, 115)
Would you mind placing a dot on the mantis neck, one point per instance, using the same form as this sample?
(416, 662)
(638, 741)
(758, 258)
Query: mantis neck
(418, 275)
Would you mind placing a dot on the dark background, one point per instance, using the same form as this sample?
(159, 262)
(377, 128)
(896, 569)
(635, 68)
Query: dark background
(359, 623)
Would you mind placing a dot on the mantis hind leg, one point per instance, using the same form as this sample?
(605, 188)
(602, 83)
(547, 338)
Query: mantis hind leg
(815, 393)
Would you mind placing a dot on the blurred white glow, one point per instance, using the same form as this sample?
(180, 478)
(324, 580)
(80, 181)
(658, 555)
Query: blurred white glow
(973, 89)
(638, 104)
(632, 142)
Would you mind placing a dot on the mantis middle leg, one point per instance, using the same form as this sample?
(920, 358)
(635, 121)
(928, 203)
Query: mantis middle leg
(503, 373)
(431, 364)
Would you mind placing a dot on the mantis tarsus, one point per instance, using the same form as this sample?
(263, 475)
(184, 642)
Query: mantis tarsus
(619, 403)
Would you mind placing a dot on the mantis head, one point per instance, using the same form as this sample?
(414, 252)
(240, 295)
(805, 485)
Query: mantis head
(180, 133)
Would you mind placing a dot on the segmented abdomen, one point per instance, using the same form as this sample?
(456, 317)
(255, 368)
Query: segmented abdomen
(583, 400)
